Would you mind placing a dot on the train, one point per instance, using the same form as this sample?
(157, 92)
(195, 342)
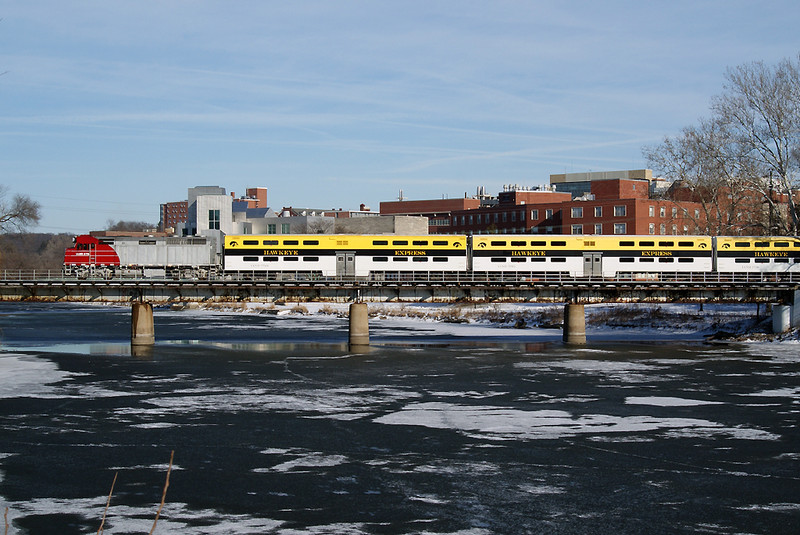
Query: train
(395, 257)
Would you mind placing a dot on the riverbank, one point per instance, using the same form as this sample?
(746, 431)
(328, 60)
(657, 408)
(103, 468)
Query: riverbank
(717, 322)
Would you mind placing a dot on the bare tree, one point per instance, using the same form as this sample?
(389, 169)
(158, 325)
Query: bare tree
(743, 163)
(18, 213)
(761, 109)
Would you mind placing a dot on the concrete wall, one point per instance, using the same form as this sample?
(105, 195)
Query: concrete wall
(408, 225)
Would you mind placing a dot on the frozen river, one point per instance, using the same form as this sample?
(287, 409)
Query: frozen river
(276, 428)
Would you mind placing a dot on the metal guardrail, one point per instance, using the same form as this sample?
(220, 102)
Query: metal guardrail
(421, 278)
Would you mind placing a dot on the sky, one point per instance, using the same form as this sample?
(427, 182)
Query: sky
(110, 108)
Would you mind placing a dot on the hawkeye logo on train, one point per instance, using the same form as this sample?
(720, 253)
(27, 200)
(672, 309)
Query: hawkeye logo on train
(527, 253)
(281, 252)
(772, 254)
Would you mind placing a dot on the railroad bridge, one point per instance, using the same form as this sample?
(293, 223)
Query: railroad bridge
(783, 290)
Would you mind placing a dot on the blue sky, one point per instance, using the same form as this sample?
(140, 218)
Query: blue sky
(109, 108)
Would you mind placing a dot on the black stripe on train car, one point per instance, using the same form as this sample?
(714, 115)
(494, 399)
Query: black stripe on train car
(287, 251)
(656, 253)
(758, 254)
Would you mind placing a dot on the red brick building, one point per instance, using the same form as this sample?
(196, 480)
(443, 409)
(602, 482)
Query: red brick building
(616, 206)
(438, 212)
(173, 213)
(517, 212)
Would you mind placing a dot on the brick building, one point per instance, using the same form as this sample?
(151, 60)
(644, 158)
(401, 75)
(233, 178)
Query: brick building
(614, 206)
(517, 212)
(173, 213)
(438, 212)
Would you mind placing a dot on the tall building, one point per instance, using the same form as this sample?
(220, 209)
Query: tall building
(172, 214)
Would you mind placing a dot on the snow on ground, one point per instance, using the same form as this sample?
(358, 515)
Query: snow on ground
(607, 321)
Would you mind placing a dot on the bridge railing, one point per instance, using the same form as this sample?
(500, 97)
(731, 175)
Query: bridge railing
(428, 278)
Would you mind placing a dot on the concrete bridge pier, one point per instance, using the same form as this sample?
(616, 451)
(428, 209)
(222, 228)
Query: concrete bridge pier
(142, 326)
(786, 316)
(574, 324)
(359, 326)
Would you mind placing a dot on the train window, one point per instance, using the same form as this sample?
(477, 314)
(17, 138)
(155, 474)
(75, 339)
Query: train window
(762, 244)
(517, 243)
(538, 259)
(400, 242)
(626, 243)
(558, 259)
(742, 260)
(440, 242)
(291, 259)
(380, 242)
(498, 243)
(440, 259)
(626, 259)
(420, 259)
(685, 244)
(250, 258)
(250, 242)
(310, 259)
(270, 259)
(400, 259)
(666, 244)
(761, 260)
(270, 242)
(538, 243)
(648, 259)
(291, 242)
(647, 243)
(380, 258)
(781, 244)
(666, 259)
(797, 260)
(420, 242)
(558, 244)
(781, 260)
(518, 259)
(685, 260)
(741, 244)
(797, 244)
(310, 242)
(498, 259)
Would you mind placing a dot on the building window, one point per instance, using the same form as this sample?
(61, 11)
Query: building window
(548, 214)
(674, 229)
(577, 229)
(652, 212)
(478, 218)
(577, 212)
(697, 214)
(284, 228)
(598, 228)
(620, 228)
(213, 219)
(674, 212)
(662, 212)
(505, 217)
(272, 228)
(652, 227)
(619, 211)
(662, 229)
(513, 216)
(463, 220)
(534, 215)
(598, 211)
